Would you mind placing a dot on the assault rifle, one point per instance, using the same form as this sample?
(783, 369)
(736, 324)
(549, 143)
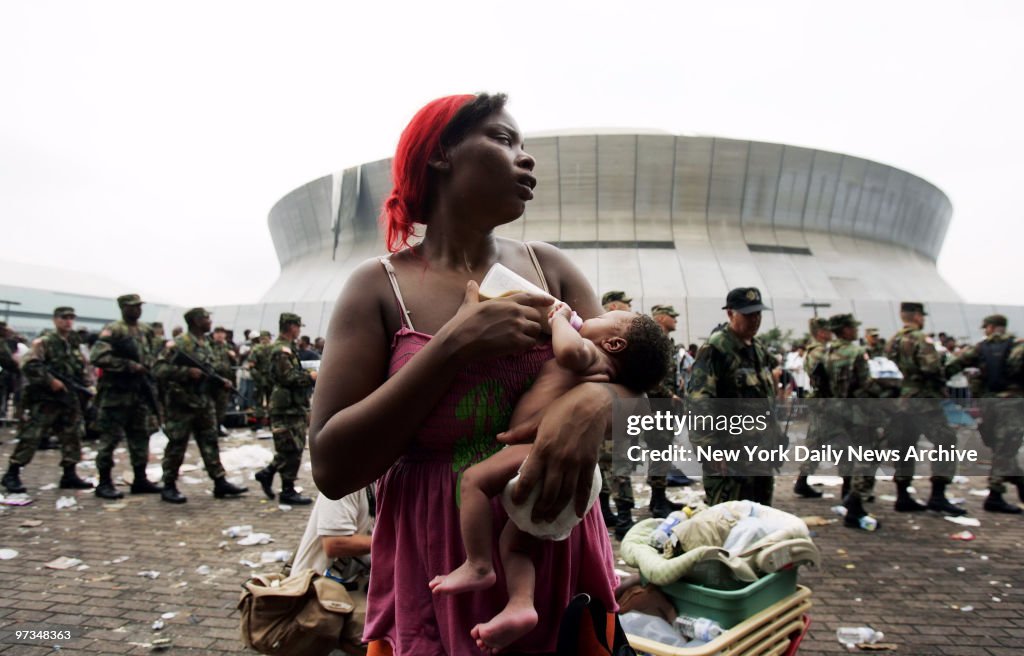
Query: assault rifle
(183, 359)
(126, 347)
(73, 390)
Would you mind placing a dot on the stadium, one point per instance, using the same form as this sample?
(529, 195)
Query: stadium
(670, 219)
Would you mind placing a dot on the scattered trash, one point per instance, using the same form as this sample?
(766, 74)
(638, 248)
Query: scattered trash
(255, 538)
(8, 554)
(961, 480)
(978, 493)
(966, 536)
(81, 568)
(961, 569)
(983, 557)
(31, 523)
(827, 481)
(66, 502)
(850, 566)
(817, 521)
(281, 556)
(114, 507)
(284, 507)
(879, 646)
(248, 456)
(48, 486)
(157, 625)
(180, 584)
(839, 510)
(966, 609)
(191, 480)
(828, 495)
(964, 521)
(161, 644)
(223, 544)
(996, 599)
(20, 499)
(63, 563)
(993, 582)
(959, 501)
(203, 570)
(852, 636)
(249, 563)
(157, 443)
(120, 559)
(149, 574)
(168, 616)
(238, 531)
(886, 497)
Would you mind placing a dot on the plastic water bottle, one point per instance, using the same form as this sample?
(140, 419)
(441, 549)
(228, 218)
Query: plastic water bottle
(868, 523)
(698, 628)
(851, 636)
(663, 533)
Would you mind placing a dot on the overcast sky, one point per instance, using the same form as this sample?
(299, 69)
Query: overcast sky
(147, 142)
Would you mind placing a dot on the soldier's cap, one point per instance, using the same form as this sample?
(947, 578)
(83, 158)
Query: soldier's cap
(745, 300)
(156, 324)
(615, 296)
(871, 331)
(196, 313)
(129, 299)
(289, 317)
(664, 309)
(64, 311)
(911, 306)
(818, 323)
(837, 321)
(265, 333)
(220, 329)
(994, 320)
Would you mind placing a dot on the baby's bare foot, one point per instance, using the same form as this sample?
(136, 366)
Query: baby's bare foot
(463, 579)
(505, 628)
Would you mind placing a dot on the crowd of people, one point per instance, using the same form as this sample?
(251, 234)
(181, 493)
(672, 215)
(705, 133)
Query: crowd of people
(421, 385)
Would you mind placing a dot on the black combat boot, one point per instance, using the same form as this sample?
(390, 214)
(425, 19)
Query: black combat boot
(996, 503)
(905, 502)
(802, 489)
(71, 481)
(606, 510)
(660, 505)
(1019, 482)
(169, 493)
(854, 512)
(265, 477)
(141, 484)
(223, 488)
(106, 489)
(623, 518)
(677, 478)
(939, 503)
(845, 490)
(290, 497)
(12, 480)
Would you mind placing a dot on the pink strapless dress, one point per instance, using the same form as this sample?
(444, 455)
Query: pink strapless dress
(416, 536)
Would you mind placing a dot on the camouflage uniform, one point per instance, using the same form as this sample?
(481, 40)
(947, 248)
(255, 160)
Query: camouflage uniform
(48, 411)
(817, 352)
(224, 365)
(659, 440)
(618, 485)
(289, 409)
(924, 384)
(1002, 425)
(10, 370)
(126, 400)
(726, 368)
(262, 381)
(878, 350)
(190, 407)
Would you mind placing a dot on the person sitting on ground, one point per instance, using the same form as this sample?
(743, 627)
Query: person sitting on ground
(337, 543)
(628, 348)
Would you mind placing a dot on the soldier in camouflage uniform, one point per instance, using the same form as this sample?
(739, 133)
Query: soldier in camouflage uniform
(661, 506)
(999, 364)
(158, 340)
(263, 385)
(55, 371)
(875, 344)
(924, 383)
(815, 354)
(289, 412)
(622, 484)
(9, 370)
(190, 406)
(849, 377)
(733, 364)
(126, 396)
(224, 362)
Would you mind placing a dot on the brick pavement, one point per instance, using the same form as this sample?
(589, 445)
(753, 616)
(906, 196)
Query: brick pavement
(904, 580)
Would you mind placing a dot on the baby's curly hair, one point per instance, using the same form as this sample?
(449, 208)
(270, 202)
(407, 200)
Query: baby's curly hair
(644, 361)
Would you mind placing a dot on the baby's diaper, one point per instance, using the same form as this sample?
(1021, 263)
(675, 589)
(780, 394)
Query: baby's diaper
(563, 524)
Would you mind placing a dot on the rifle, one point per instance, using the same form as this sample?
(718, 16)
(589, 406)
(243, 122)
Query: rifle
(71, 386)
(126, 347)
(183, 359)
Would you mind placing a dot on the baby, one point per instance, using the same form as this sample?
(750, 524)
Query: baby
(620, 347)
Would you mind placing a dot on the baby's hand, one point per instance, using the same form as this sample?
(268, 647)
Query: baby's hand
(560, 309)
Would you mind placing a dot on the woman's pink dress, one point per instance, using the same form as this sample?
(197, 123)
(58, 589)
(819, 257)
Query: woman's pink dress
(417, 536)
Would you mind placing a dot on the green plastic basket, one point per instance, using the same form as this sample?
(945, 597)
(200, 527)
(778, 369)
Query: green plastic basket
(730, 607)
